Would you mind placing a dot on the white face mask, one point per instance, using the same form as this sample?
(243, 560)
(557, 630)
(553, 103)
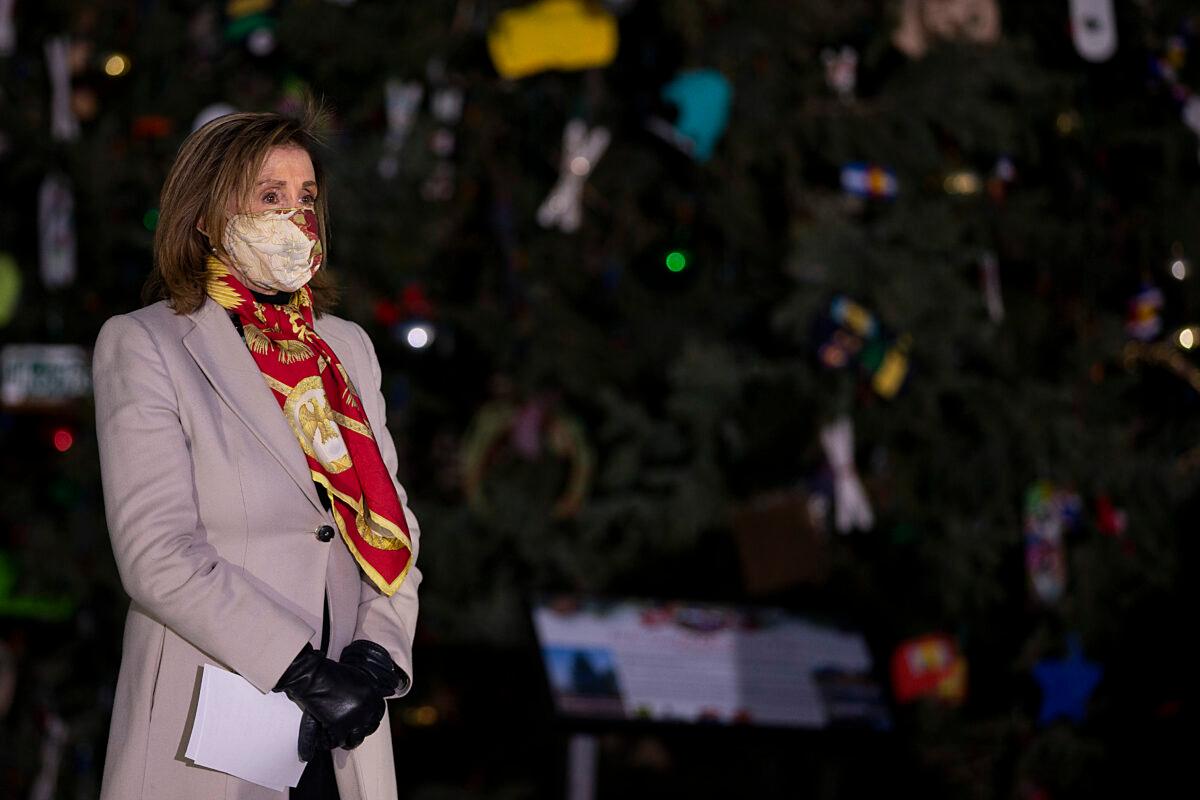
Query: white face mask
(276, 250)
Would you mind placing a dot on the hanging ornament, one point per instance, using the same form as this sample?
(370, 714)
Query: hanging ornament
(446, 102)
(1049, 513)
(8, 30)
(923, 22)
(1167, 68)
(1143, 321)
(552, 34)
(849, 334)
(852, 509)
(10, 288)
(526, 432)
(211, 112)
(401, 100)
(703, 98)
(989, 282)
(64, 127)
(1067, 684)
(56, 231)
(929, 666)
(869, 180)
(581, 150)
(1094, 29)
(841, 70)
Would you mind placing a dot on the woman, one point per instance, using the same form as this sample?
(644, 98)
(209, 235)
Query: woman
(249, 486)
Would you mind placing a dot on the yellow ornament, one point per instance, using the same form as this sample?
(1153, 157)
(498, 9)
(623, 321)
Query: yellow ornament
(10, 288)
(552, 34)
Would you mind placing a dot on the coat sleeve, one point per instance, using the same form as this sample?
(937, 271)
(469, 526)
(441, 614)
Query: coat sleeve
(389, 621)
(164, 558)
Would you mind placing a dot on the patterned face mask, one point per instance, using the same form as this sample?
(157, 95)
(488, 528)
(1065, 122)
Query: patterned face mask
(276, 250)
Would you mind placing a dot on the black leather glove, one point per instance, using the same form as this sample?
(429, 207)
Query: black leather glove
(341, 699)
(386, 677)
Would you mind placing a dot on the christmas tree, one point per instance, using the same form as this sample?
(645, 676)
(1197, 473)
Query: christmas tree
(915, 277)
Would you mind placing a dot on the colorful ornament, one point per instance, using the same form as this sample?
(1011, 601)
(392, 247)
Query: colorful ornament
(552, 34)
(929, 666)
(527, 429)
(923, 22)
(704, 98)
(1049, 513)
(1067, 684)
(581, 150)
(852, 509)
(64, 127)
(10, 288)
(869, 180)
(401, 100)
(56, 231)
(1143, 321)
(841, 70)
(850, 334)
(1094, 29)
(1167, 68)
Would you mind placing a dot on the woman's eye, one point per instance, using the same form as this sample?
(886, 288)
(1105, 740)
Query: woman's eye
(308, 200)
(270, 198)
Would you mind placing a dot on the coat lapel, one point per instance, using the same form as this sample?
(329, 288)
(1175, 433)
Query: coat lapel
(229, 367)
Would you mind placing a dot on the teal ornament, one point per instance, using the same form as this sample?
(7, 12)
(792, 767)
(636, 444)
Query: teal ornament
(1067, 684)
(703, 98)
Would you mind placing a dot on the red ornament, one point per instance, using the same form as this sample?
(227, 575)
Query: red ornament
(929, 666)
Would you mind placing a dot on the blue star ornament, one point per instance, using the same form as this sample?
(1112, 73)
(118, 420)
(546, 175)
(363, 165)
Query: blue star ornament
(1067, 684)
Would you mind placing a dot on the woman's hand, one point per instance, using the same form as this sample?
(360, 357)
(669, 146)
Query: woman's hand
(343, 699)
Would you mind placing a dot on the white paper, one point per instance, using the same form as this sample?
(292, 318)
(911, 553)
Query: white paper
(245, 733)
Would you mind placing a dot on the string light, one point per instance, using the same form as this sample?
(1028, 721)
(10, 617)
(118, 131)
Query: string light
(63, 439)
(1178, 269)
(419, 335)
(116, 65)
(1187, 338)
(676, 261)
(962, 182)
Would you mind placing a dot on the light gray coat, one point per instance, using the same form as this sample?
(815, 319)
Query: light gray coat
(212, 514)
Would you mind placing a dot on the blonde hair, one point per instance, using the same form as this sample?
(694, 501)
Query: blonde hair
(218, 161)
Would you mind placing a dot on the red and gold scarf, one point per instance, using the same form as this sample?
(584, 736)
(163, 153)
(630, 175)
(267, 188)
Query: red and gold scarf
(325, 413)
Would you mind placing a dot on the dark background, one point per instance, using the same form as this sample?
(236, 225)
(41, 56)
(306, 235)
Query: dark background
(696, 396)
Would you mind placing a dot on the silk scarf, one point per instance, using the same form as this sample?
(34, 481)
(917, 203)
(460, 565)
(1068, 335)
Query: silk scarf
(325, 413)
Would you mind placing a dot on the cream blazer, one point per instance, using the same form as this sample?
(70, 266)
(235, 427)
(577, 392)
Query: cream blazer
(212, 515)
